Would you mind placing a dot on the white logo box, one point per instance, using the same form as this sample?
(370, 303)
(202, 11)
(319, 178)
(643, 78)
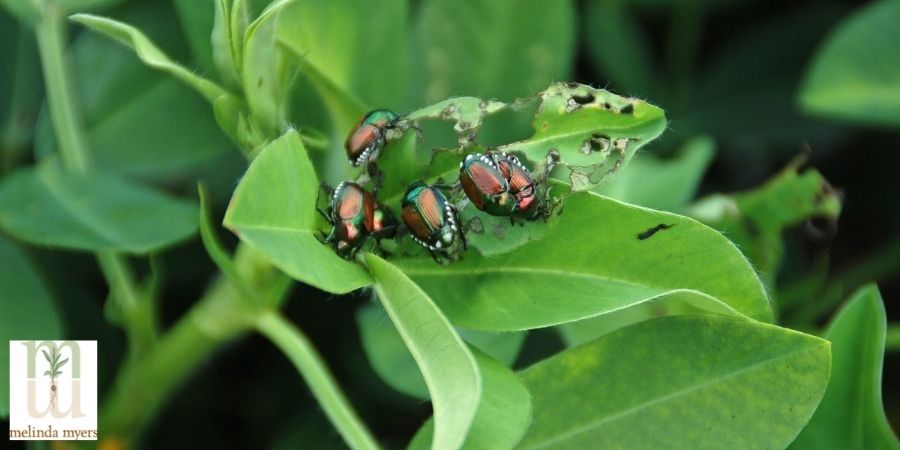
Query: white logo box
(34, 412)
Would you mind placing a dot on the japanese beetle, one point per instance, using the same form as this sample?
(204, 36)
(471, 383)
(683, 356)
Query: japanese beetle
(351, 212)
(367, 138)
(432, 221)
(500, 185)
(522, 185)
(486, 186)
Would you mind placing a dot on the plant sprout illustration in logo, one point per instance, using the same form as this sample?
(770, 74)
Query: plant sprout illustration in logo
(53, 354)
(55, 371)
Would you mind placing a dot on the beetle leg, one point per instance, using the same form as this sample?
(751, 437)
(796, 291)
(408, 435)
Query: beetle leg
(324, 187)
(352, 253)
(462, 237)
(375, 175)
(330, 237)
(323, 213)
(435, 258)
(390, 231)
(443, 186)
(327, 189)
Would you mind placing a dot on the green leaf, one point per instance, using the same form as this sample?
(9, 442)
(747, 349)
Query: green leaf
(265, 75)
(449, 368)
(93, 212)
(595, 131)
(197, 22)
(595, 252)
(338, 39)
(851, 414)
(274, 210)
(150, 54)
(216, 250)
(854, 76)
(387, 353)
(492, 50)
(503, 414)
(227, 47)
(467, 113)
(331, 42)
(62, 363)
(141, 122)
(755, 220)
(577, 333)
(679, 382)
(344, 107)
(582, 331)
(662, 184)
(390, 357)
(504, 347)
(47, 357)
(27, 311)
(238, 21)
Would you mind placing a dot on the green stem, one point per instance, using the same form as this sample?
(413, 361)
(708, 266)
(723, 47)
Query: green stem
(310, 365)
(138, 311)
(892, 338)
(143, 387)
(51, 36)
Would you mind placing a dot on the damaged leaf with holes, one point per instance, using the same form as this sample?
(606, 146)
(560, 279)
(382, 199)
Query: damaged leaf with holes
(588, 135)
(594, 131)
(755, 220)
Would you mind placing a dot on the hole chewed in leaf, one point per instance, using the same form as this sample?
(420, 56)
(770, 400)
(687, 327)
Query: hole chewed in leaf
(580, 135)
(594, 132)
(467, 113)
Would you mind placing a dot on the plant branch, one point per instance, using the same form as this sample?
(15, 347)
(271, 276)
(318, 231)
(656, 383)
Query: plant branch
(143, 387)
(138, 310)
(52, 39)
(323, 386)
(51, 36)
